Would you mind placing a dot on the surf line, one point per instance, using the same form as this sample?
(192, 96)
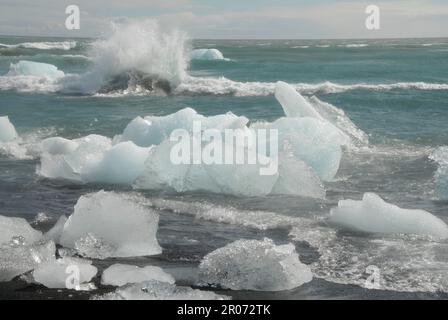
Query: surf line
(198, 311)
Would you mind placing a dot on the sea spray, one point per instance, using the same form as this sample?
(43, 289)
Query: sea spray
(136, 54)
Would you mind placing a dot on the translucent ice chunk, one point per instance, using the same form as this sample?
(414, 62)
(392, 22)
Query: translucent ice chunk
(7, 130)
(373, 214)
(37, 69)
(155, 290)
(121, 274)
(118, 221)
(254, 265)
(65, 273)
(17, 227)
(17, 258)
(206, 54)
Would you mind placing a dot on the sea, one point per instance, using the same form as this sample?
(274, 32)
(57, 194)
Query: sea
(395, 91)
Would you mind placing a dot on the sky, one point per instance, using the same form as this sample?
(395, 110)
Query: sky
(232, 19)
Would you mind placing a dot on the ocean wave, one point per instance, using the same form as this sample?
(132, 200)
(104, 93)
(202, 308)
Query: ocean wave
(224, 86)
(354, 45)
(60, 45)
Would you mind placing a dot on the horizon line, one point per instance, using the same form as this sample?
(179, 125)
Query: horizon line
(237, 39)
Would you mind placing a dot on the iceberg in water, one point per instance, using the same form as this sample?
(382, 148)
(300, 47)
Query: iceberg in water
(7, 130)
(66, 273)
(310, 142)
(441, 157)
(121, 274)
(35, 69)
(373, 214)
(155, 290)
(92, 159)
(107, 224)
(206, 54)
(254, 265)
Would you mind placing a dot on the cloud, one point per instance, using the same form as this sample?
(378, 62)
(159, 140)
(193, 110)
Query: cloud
(235, 19)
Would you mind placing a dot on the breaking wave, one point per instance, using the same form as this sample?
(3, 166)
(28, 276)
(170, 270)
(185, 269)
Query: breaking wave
(61, 45)
(224, 86)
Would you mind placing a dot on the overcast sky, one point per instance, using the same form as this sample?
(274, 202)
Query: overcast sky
(233, 19)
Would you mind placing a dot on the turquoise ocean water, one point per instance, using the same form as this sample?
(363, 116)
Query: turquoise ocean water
(396, 91)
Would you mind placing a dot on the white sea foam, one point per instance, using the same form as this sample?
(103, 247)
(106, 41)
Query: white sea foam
(399, 263)
(440, 156)
(45, 45)
(224, 86)
(134, 48)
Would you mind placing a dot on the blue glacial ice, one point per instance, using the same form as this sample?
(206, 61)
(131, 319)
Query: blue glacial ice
(373, 215)
(35, 69)
(7, 130)
(108, 224)
(206, 54)
(254, 265)
(311, 141)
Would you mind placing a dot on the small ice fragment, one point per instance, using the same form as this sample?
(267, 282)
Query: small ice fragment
(65, 273)
(155, 290)
(121, 274)
(7, 130)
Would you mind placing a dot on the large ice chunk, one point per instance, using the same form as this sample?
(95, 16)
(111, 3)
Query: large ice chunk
(373, 214)
(17, 228)
(441, 157)
(122, 164)
(7, 130)
(92, 159)
(153, 130)
(65, 273)
(235, 179)
(155, 290)
(122, 274)
(36, 69)
(65, 159)
(318, 143)
(293, 103)
(254, 265)
(206, 54)
(120, 224)
(17, 257)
